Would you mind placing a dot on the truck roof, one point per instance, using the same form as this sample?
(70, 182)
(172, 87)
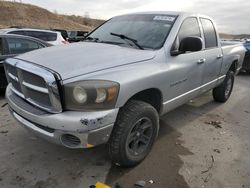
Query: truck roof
(160, 12)
(174, 13)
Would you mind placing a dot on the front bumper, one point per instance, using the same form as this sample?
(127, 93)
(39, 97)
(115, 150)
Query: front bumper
(71, 129)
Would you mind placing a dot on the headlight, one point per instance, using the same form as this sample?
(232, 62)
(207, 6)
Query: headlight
(101, 95)
(91, 95)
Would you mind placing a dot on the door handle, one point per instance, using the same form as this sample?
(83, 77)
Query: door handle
(219, 56)
(201, 61)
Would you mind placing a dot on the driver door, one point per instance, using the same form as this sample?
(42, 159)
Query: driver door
(185, 69)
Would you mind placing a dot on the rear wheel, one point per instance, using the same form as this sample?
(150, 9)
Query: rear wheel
(134, 133)
(223, 91)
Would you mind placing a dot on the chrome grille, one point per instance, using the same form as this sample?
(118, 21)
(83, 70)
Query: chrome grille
(33, 83)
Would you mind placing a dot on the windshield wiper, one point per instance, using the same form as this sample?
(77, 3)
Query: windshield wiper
(128, 38)
(111, 42)
(92, 39)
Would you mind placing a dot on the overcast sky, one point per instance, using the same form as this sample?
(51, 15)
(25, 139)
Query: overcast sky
(231, 16)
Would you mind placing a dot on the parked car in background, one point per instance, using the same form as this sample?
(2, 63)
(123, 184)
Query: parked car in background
(113, 87)
(64, 33)
(76, 36)
(52, 37)
(12, 45)
(246, 62)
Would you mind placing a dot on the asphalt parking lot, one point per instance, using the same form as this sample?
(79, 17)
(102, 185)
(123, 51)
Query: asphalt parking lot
(201, 144)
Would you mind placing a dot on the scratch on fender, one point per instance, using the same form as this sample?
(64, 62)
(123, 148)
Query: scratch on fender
(178, 82)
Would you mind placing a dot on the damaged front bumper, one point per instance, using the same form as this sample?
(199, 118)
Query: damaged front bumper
(70, 128)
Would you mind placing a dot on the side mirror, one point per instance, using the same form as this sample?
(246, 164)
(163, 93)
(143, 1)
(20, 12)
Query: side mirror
(188, 44)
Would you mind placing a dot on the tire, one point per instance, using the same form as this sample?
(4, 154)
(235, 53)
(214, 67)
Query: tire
(134, 133)
(223, 91)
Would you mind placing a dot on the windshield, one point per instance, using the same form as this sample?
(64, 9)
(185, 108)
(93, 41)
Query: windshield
(149, 30)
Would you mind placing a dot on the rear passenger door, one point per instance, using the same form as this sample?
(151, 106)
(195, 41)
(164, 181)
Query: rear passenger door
(213, 55)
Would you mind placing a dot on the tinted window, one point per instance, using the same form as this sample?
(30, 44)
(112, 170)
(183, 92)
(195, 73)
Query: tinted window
(46, 36)
(17, 32)
(149, 30)
(209, 33)
(18, 46)
(189, 28)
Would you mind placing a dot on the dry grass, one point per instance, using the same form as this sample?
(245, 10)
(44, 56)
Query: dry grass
(84, 21)
(18, 14)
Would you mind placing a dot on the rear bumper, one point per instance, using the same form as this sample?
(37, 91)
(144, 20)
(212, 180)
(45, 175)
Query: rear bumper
(70, 129)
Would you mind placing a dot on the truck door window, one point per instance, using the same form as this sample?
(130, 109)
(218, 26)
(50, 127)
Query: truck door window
(189, 28)
(209, 33)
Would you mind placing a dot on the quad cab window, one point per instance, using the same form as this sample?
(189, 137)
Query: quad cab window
(209, 33)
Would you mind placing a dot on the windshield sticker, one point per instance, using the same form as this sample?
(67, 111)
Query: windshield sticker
(164, 18)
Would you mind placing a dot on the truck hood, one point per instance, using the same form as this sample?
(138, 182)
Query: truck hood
(85, 57)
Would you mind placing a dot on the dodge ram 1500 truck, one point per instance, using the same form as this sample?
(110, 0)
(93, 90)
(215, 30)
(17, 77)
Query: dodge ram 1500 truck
(113, 87)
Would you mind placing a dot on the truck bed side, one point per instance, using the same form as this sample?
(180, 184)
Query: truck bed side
(233, 55)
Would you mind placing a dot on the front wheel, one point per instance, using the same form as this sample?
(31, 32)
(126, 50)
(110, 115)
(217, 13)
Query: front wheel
(134, 133)
(222, 92)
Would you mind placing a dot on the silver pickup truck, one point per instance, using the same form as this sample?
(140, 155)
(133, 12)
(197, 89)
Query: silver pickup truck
(113, 87)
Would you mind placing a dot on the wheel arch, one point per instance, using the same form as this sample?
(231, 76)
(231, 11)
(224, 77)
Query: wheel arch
(234, 66)
(152, 96)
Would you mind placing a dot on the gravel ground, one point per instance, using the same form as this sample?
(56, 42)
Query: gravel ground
(201, 144)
